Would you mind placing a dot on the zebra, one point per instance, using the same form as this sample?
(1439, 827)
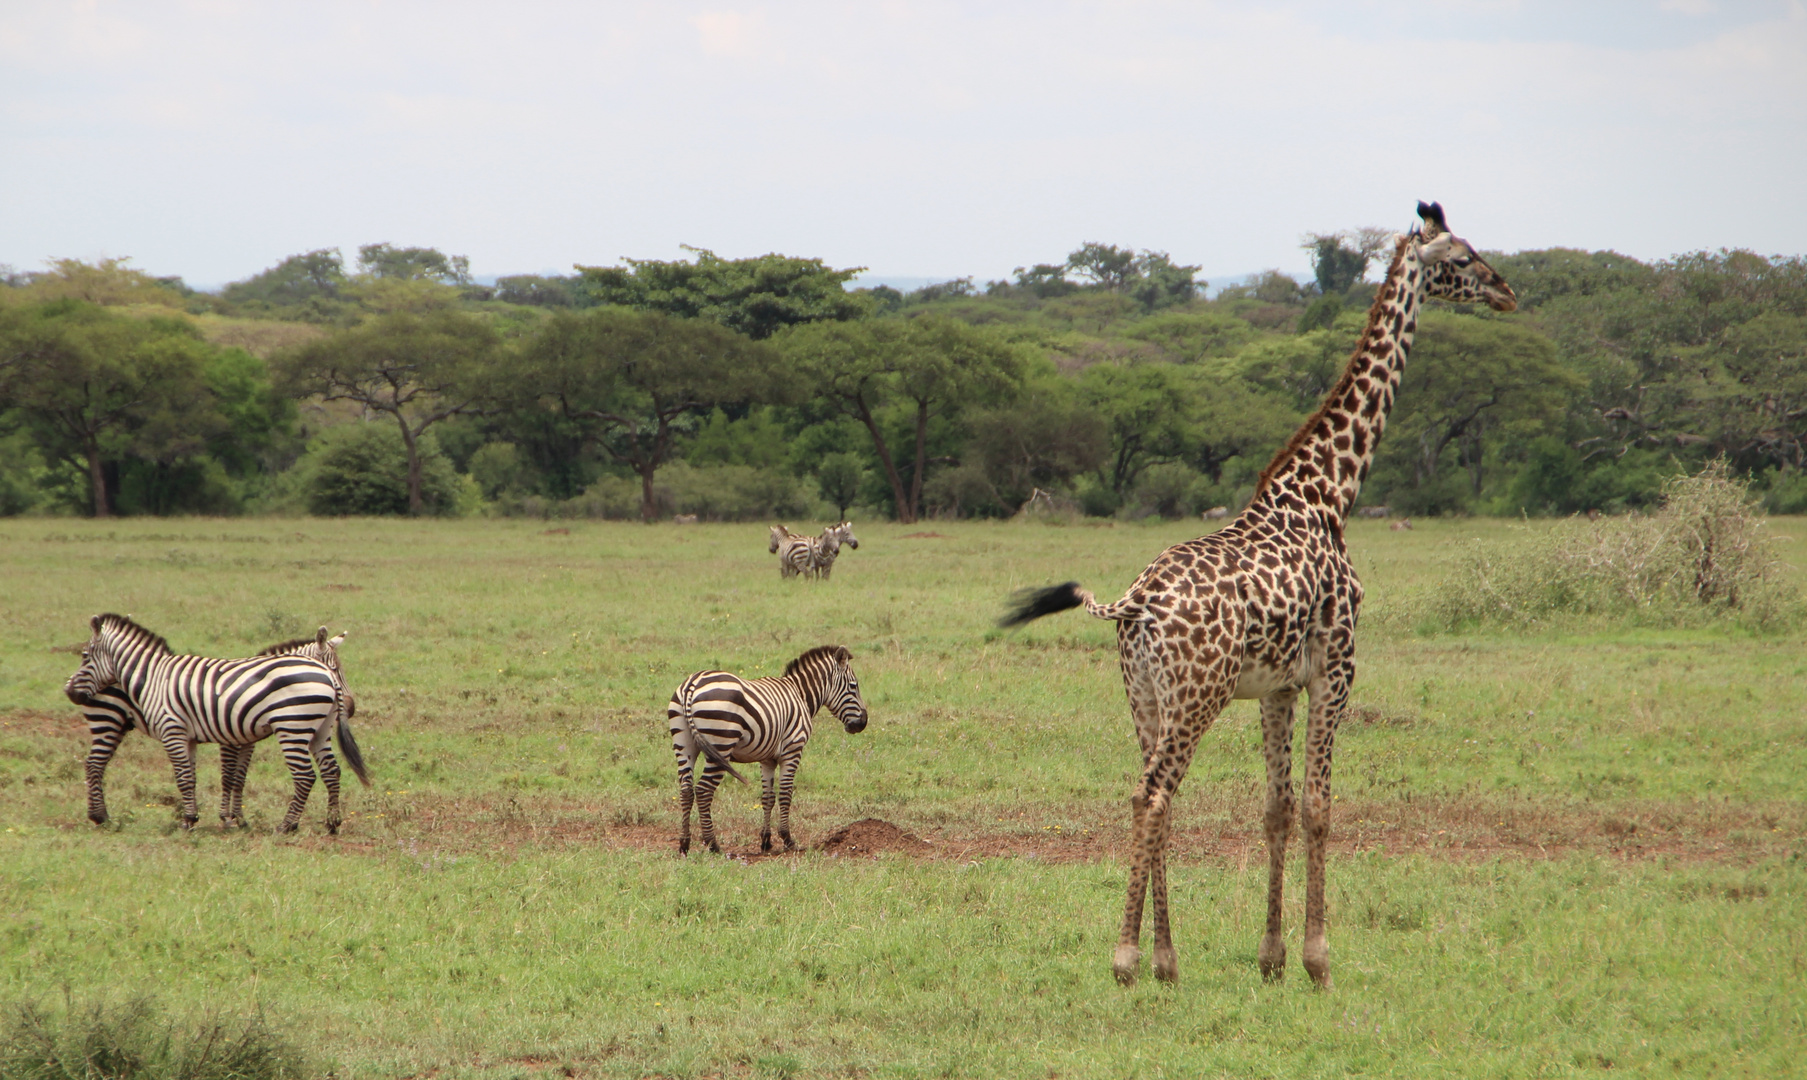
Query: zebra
(732, 719)
(827, 547)
(183, 700)
(110, 715)
(796, 553)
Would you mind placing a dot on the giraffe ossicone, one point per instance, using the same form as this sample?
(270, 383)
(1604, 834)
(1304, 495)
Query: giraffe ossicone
(1266, 608)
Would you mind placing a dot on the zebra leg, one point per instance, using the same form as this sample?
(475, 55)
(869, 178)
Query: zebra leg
(686, 796)
(766, 798)
(787, 785)
(181, 751)
(102, 743)
(329, 772)
(235, 762)
(297, 753)
(705, 799)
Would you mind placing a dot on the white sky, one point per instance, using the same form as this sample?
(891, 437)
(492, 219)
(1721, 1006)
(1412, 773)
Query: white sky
(211, 138)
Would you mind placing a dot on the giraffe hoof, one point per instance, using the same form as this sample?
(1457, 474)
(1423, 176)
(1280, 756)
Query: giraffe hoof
(1273, 959)
(1317, 964)
(1124, 963)
(1166, 965)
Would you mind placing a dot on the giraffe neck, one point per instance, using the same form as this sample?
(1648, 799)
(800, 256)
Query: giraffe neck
(1321, 468)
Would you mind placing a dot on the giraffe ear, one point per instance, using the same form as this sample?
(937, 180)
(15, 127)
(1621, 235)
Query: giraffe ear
(1432, 216)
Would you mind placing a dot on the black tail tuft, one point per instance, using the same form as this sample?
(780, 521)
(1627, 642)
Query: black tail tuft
(1027, 605)
(348, 746)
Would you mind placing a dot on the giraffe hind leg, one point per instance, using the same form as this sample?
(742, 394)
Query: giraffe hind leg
(1277, 822)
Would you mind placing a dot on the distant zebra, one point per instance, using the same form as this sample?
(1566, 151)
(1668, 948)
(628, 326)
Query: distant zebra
(827, 547)
(764, 720)
(796, 554)
(183, 700)
(109, 716)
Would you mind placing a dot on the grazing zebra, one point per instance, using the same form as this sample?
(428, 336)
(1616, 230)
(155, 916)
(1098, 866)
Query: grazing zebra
(764, 720)
(827, 547)
(183, 700)
(796, 554)
(110, 715)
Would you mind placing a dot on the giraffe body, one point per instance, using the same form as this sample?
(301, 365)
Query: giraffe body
(1266, 608)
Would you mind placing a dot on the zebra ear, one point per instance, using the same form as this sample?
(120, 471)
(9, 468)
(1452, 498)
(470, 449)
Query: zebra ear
(320, 637)
(841, 654)
(94, 624)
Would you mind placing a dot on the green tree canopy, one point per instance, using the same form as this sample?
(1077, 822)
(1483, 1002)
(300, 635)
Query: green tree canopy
(92, 386)
(631, 378)
(418, 369)
(414, 264)
(756, 297)
(312, 280)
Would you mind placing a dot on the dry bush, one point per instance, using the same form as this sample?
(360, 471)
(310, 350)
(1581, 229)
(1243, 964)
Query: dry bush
(1701, 555)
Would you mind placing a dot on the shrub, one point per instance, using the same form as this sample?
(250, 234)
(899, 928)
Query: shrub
(718, 493)
(1173, 490)
(136, 1042)
(1701, 554)
(363, 469)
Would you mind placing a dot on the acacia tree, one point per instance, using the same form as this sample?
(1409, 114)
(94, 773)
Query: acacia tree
(757, 296)
(420, 369)
(634, 379)
(930, 366)
(90, 385)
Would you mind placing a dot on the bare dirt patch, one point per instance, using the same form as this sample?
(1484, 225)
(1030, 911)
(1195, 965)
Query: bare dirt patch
(871, 836)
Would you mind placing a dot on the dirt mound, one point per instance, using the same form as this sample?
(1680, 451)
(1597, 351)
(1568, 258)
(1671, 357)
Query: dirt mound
(870, 836)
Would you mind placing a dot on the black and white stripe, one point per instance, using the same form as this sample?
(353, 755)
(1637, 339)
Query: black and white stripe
(184, 700)
(109, 716)
(723, 718)
(796, 554)
(827, 547)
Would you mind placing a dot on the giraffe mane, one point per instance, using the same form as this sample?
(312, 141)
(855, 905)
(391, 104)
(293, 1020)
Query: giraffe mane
(825, 652)
(125, 622)
(1343, 384)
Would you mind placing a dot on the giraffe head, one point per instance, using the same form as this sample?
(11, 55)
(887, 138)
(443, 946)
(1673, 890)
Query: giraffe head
(1453, 270)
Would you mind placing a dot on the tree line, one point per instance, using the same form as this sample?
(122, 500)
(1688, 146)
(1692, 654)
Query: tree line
(765, 386)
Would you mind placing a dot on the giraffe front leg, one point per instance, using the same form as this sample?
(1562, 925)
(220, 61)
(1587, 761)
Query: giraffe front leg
(787, 786)
(768, 796)
(1276, 748)
(235, 762)
(1320, 742)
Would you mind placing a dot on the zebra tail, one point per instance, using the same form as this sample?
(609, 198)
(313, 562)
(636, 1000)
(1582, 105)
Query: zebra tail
(708, 747)
(354, 757)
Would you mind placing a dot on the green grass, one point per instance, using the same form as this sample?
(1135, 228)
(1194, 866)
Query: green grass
(1555, 851)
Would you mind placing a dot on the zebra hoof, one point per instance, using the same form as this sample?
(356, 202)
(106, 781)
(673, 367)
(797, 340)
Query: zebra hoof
(765, 843)
(684, 846)
(98, 819)
(286, 827)
(189, 823)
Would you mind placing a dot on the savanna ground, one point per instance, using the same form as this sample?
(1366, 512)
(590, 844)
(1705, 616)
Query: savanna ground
(1555, 853)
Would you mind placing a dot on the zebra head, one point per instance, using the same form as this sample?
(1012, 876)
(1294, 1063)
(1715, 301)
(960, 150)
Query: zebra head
(324, 649)
(116, 641)
(844, 694)
(844, 533)
(779, 534)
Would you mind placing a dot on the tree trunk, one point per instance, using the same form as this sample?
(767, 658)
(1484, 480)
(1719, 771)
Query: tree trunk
(97, 476)
(899, 499)
(647, 510)
(922, 459)
(417, 504)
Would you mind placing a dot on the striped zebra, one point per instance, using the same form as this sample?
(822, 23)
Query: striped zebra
(827, 547)
(764, 720)
(796, 553)
(184, 700)
(110, 715)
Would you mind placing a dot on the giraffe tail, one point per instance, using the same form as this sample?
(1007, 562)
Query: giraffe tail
(708, 747)
(1027, 605)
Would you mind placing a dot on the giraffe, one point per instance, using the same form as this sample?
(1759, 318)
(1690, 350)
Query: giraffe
(1266, 607)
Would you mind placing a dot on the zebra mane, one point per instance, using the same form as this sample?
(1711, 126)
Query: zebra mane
(125, 623)
(820, 652)
(285, 647)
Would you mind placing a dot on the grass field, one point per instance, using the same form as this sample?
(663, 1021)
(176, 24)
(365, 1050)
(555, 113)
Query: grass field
(1554, 853)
